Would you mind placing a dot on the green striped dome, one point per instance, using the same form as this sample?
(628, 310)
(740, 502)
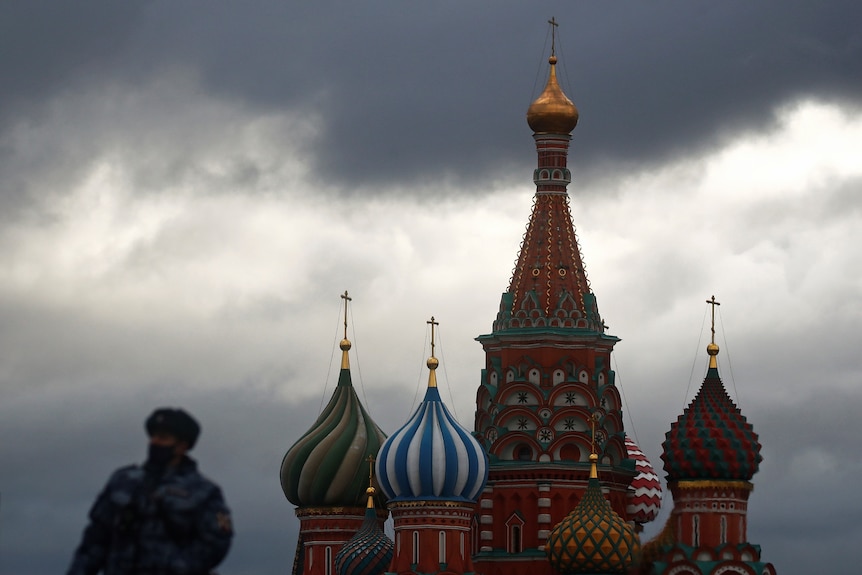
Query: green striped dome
(592, 539)
(328, 466)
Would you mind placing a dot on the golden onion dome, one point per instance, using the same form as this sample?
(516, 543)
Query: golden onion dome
(593, 538)
(552, 112)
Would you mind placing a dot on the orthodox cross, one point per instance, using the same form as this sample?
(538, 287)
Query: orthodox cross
(346, 299)
(554, 24)
(593, 419)
(713, 303)
(432, 323)
(370, 469)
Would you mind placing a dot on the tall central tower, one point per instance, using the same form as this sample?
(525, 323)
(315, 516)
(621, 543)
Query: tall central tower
(547, 373)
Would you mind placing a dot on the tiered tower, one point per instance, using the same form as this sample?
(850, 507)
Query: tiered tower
(710, 455)
(323, 474)
(432, 470)
(547, 373)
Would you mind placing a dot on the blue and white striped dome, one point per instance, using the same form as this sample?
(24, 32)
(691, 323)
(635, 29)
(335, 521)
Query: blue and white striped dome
(432, 457)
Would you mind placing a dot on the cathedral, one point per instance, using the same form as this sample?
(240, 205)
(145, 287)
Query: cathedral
(547, 481)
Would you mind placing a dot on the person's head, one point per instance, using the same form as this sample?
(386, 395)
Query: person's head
(172, 433)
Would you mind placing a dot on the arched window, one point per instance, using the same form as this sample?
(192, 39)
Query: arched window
(523, 453)
(515, 535)
(415, 547)
(723, 527)
(327, 568)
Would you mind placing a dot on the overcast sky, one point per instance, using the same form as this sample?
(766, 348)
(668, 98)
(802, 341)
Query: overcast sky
(187, 188)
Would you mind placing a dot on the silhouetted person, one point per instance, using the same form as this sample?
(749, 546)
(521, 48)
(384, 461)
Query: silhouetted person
(159, 518)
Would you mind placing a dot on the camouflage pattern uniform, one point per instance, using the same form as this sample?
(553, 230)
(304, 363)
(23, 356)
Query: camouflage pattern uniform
(174, 524)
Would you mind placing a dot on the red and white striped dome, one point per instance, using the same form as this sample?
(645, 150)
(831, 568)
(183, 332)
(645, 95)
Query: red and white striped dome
(644, 496)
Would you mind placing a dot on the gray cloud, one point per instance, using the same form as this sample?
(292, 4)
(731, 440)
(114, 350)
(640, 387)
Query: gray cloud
(406, 95)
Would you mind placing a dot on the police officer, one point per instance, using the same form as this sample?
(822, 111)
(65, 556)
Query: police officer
(159, 518)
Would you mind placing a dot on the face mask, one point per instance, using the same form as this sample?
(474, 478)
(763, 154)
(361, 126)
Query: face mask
(158, 457)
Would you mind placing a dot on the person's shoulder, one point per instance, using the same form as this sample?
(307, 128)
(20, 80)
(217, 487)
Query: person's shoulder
(191, 475)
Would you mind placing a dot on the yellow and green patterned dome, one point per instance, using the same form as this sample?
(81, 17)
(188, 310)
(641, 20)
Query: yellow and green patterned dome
(593, 539)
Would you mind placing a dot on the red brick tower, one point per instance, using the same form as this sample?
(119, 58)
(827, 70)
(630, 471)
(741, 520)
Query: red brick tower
(547, 374)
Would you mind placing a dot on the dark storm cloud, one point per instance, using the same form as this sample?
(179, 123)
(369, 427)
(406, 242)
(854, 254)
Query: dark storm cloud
(410, 92)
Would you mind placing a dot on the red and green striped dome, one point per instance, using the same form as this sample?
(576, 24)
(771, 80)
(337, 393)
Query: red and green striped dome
(711, 439)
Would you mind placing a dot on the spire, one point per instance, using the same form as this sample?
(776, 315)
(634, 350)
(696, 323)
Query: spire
(549, 286)
(594, 457)
(432, 362)
(712, 348)
(345, 343)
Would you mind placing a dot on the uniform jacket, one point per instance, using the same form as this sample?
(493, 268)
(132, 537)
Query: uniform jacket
(141, 524)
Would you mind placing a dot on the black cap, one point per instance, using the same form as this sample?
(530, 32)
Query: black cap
(175, 422)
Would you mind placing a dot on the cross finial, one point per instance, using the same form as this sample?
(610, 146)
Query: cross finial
(370, 490)
(370, 460)
(346, 299)
(432, 323)
(713, 303)
(594, 473)
(593, 420)
(554, 24)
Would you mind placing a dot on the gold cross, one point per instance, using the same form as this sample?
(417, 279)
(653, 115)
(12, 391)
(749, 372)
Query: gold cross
(432, 323)
(554, 24)
(346, 299)
(713, 303)
(593, 420)
(370, 468)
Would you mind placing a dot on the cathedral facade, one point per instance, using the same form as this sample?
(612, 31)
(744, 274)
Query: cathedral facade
(547, 481)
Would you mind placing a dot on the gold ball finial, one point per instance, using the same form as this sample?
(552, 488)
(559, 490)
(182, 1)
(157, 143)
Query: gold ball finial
(345, 344)
(552, 60)
(369, 491)
(712, 349)
(432, 363)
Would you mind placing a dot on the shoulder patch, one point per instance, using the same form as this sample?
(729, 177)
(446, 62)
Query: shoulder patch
(224, 523)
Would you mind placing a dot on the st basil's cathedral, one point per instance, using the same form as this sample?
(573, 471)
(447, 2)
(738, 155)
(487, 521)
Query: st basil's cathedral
(547, 482)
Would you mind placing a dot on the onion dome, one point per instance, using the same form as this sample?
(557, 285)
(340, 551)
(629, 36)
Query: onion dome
(370, 551)
(644, 495)
(432, 457)
(711, 439)
(552, 112)
(593, 538)
(326, 466)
